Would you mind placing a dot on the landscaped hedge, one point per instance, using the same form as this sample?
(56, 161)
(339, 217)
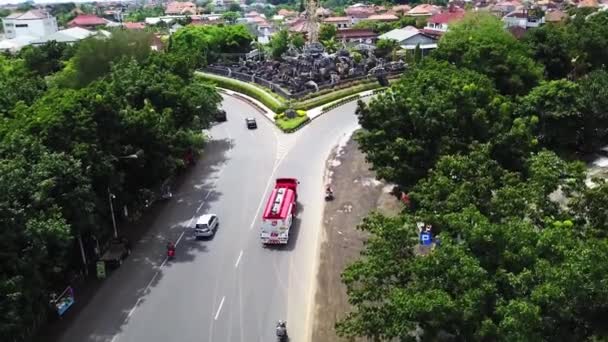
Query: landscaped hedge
(245, 88)
(321, 100)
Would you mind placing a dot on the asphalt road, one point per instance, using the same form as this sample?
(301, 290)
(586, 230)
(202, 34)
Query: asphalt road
(228, 288)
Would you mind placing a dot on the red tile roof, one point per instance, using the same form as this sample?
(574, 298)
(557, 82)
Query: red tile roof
(87, 20)
(134, 26)
(176, 7)
(447, 17)
(355, 33)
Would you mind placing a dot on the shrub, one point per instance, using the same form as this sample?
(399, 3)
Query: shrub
(245, 88)
(301, 112)
(291, 125)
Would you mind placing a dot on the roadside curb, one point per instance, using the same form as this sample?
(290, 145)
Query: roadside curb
(269, 114)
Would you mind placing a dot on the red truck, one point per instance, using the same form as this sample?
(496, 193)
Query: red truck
(279, 212)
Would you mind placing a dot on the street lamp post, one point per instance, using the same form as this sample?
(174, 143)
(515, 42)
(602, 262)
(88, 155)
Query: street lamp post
(111, 196)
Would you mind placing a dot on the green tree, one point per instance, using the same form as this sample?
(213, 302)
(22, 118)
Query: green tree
(298, 41)
(94, 57)
(499, 278)
(327, 32)
(386, 47)
(46, 59)
(230, 17)
(589, 53)
(141, 14)
(16, 84)
(330, 45)
(279, 43)
(551, 46)
(556, 103)
(480, 43)
(434, 109)
(594, 109)
(234, 7)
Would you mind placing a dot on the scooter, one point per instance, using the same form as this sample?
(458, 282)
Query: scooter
(170, 251)
(282, 331)
(329, 195)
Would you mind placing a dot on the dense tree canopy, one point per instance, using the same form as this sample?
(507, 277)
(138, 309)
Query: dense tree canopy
(202, 44)
(475, 139)
(480, 43)
(435, 109)
(510, 265)
(60, 148)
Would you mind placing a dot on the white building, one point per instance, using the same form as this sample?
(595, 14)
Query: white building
(33, 23)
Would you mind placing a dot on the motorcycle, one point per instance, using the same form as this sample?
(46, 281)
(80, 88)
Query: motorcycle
(170, 251)
(281, 331)
(329, 195)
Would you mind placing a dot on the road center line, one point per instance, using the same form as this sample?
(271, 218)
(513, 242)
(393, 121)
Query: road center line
(236, 264)
(262, 199)
(219, 309)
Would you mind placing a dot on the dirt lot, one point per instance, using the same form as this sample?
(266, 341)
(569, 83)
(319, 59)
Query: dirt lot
(357, 193)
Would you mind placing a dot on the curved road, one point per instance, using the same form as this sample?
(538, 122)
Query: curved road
(229, 288)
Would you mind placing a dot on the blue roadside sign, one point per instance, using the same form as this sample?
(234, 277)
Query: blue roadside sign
(426, 238)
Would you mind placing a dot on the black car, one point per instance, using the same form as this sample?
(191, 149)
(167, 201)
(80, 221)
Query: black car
(220, 116)
(251, 124)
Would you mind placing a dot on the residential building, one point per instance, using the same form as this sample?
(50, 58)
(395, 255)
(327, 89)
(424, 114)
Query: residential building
(88, 21)
(555, 16)
(264, 32)
(521, 18)
(323, 12)
(423, 10)
(68, 36)
(350, 35)
(359, 12)
(400, 9)
(438, 24)
(287, 13)
(338, 22)
(180, 8)
(502, 8)
(588, 4)
(15, 44)
(134, 26)
(409, 37)
(33, 23)
(385, 17)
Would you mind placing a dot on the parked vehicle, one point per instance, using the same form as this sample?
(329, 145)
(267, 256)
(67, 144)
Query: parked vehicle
(206, 226)
(279, 212)
(118, 250)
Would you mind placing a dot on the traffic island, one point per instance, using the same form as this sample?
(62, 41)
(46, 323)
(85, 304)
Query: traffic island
(312, 106)
(291, 120)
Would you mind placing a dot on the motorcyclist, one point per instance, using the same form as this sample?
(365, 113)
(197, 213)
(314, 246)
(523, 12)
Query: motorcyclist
(170, 246)
(282, 329)
(328, 190)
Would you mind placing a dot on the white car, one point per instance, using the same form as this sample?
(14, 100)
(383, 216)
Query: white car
(206, 226)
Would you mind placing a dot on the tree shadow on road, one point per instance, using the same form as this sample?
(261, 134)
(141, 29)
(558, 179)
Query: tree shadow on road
(104, 306)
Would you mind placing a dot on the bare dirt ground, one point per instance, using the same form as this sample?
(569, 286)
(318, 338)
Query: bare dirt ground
(357, 193)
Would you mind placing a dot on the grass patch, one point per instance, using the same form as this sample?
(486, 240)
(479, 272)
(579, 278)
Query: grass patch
(288, 125)
(269, 100)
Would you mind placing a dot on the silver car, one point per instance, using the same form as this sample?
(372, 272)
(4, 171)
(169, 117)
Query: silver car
(206, 226)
